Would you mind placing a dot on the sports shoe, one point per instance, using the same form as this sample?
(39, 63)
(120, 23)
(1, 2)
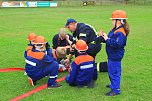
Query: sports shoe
(108, 86)
(25, 73)
(80, 86)
(55, 86)
(111, 93)
(32, 83)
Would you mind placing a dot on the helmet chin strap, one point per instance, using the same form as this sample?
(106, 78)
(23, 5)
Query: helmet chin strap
(122, 22)
(116, 23)
(40, 48)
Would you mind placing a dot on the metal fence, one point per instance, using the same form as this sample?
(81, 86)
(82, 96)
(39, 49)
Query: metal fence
(139, 2)
(81, 3)
(96, 2)
(105, 2)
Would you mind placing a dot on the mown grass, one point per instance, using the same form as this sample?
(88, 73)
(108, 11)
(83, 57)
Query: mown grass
(16, 23)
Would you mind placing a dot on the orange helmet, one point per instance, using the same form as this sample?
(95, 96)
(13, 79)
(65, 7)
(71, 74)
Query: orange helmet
(81, 45)
(40, 40)
(119, 14)
(31, 36)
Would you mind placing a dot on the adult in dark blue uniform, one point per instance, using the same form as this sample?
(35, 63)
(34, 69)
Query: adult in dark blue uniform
(88, 34)
(85, 32)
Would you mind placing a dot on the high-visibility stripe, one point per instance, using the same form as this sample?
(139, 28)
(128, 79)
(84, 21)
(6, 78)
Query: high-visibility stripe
(92, 28)
(98, 66)
(46, 52)
(86, 66)
(82, 34)
(30, 62)
(53, 76)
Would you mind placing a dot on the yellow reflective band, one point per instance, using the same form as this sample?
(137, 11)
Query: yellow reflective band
(82, 34)
(93, 42)
(98, 66)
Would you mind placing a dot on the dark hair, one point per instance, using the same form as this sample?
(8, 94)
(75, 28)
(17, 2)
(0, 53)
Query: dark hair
(126, 27)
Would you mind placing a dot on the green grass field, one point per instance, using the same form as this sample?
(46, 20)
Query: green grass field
(16, 23)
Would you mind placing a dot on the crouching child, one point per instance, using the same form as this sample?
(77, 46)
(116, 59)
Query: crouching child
(40, 63)
(83, 69)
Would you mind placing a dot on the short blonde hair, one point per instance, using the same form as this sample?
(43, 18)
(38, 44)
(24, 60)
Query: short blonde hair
(62, 32)
(61, 51)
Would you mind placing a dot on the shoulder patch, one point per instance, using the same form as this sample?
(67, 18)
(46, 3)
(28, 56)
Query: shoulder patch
(120, 30)
(29, 48)
(36, 55)
(83, 58)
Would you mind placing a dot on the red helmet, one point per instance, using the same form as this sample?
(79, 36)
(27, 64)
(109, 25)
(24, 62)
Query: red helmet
(81, 45)
(40, 40)
(31, 36)
(119, 14)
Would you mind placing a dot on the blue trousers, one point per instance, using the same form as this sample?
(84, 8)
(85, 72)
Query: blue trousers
(49, 69)
(114, 72)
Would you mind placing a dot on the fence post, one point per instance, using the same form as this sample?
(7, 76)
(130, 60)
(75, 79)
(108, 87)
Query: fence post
(144, 2)
(101, 2)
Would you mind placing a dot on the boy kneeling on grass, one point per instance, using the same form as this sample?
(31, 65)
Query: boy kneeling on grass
(41, 63)
(83, 71)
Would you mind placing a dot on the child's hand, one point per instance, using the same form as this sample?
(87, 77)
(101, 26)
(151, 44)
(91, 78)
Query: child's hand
(105, 36)
(66, 61)
(67, 37)
(101, 32)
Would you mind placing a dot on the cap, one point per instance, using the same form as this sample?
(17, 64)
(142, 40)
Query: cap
(69, 21)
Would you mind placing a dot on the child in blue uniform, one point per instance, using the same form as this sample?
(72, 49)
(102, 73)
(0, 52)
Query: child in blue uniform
(115, 43)
(31, 37)
(40, 63)
(83, 71)
(62, 39)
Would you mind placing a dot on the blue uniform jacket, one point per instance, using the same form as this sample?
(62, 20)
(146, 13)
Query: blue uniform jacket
(36, 61)
(58, 42)
(85, 32)
(83, 70)
(88, 34)
(115, 44)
